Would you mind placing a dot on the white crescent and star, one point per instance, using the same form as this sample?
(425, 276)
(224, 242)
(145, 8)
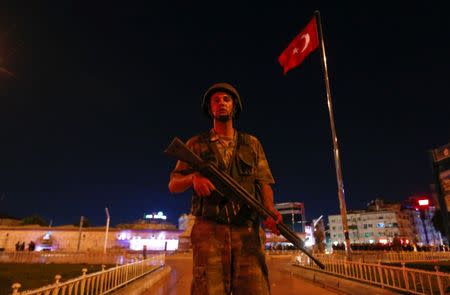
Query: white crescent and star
(307, 39)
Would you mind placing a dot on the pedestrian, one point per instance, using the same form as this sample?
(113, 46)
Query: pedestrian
(228, 255)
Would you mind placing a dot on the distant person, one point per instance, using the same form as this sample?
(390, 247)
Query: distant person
(144, 252)
(31, 246)
(226, 236)
(22, 246)
(18, 246)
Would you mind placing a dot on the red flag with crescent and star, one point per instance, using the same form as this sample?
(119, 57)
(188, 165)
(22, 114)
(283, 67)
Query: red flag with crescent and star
(302, 45)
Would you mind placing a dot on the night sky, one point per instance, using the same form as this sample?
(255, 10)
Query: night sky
(102, 87)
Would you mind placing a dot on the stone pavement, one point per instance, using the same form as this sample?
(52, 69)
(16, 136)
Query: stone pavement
(282, 282)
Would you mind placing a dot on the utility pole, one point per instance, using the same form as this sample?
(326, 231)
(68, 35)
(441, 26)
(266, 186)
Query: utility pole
(79, 232)
(106, 230)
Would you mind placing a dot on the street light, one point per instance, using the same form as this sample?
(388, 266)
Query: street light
(424, 204)
(79, 232)
(106, 230)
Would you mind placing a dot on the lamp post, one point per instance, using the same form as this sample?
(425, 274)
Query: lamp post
(79, 233)
(106, 230)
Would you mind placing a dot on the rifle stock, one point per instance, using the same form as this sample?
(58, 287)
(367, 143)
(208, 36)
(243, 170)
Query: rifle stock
(178, 150)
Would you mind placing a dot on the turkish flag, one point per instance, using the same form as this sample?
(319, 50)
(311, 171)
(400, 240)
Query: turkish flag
(302, 45)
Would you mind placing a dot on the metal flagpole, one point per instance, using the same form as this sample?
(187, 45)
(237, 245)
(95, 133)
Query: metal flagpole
(337, 160)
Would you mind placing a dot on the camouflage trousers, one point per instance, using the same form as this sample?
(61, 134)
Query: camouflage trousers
(228, 260)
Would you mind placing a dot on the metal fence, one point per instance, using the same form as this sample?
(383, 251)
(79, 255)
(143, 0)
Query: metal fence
(101, 282)
(402, 278)
(374, 256)
(69, 257)
(392, 256)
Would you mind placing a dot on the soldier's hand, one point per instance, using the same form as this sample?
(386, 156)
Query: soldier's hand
(271, 224)
(203, 187)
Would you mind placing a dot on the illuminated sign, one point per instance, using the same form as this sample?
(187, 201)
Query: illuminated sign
(160, 215)
(424, 202)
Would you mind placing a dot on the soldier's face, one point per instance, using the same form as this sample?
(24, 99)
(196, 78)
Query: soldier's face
(222, 106)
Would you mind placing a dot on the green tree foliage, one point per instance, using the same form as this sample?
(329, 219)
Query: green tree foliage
(34, 219)
(438, 223)
(86, 223)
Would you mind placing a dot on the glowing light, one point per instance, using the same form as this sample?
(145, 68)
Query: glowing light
(383, 241)
(154, 244)
(424, 202)
(159, 215)
(125, 235)
(47, 236)
(308, 242)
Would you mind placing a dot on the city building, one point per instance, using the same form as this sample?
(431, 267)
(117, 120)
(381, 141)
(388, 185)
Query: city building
(154, 221)
(293, 214)
(441, 187)
(421, 210)
(153, 232)
(382, 222)
(185, 224)
(441, 167)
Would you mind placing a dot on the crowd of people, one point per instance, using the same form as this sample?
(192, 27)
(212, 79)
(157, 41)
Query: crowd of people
(21, 246)
(390, 247)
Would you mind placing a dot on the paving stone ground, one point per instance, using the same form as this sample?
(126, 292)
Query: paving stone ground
(282, 282)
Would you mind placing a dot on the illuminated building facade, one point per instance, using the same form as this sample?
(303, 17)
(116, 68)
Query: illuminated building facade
(421, 211)
(382, 222)
(370, 227)
(293, 214)
(441, 170)
(154, 235)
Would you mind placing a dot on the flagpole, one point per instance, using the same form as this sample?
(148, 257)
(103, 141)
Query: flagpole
(337, 160)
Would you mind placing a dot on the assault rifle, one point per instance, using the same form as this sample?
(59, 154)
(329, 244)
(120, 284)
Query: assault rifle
(222, 181)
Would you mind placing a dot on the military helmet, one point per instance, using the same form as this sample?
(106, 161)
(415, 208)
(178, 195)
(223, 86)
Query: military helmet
(222, 87)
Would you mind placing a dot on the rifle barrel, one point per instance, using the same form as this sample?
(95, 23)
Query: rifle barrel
(180, 151)
(263, 211)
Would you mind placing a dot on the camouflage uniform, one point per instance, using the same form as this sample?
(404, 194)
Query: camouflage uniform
(228, 251)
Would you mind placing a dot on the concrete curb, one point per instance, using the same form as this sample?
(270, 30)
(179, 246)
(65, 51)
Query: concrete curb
(338, 284)
(143, 284)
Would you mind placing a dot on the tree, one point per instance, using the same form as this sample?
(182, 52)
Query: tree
(86, 223)
(34, 219)
(438, 223)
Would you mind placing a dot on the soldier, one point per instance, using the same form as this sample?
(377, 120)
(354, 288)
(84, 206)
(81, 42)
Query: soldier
(226, 238)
